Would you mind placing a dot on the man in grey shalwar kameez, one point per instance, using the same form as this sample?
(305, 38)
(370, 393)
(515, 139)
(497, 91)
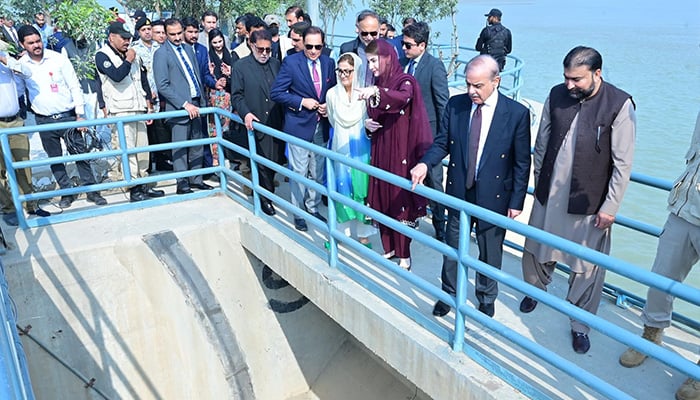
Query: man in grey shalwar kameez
(583, 161)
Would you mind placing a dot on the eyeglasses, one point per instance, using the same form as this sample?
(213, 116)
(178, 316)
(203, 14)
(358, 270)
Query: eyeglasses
(313, 46)
(373, 33)
(345, 72)
(408, 45)
(263, 50)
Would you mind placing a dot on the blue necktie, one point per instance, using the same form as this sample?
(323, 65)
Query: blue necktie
(411, 67)
(189, 70)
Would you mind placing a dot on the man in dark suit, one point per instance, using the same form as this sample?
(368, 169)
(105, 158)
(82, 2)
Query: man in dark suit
(432, 78)
(179, 83)
(301, 87)
(367, 28)
(487, 136)
(250, 96)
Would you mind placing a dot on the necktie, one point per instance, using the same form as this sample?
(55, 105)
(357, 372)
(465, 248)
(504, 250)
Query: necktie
(13, 32)
(317, 79)
(474, 133)
(190, 72)
(411, 67)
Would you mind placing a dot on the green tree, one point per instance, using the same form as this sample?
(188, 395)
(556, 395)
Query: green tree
(84, 21)
(423, 10)
(331, 11)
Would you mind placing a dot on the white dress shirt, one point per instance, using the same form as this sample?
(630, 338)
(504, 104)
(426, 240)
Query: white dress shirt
(53, 86)
(487, 111)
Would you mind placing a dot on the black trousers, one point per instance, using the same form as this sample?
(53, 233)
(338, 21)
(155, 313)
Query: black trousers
(51, 141)
(489, 239)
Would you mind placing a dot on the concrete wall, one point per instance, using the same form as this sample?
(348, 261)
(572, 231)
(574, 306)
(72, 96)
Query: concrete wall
(156, 310)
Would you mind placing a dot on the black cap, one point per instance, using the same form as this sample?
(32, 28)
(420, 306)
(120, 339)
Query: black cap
(138, 14)
(143, 22)
(118, 29)
(495, 12)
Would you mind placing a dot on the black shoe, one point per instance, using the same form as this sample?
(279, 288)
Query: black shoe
(319, 216)
(201, 186)
(11, 219)
(268, 209)
(212, 177)
(153, 192)
(183, 189)
(39, 212)
(94, 197)
(441, 309)
(300, 225)
(324, 200)
(136, 194)
(580, 342)
(528, 304)
(488, 309)
(66, 201)
(164, 165)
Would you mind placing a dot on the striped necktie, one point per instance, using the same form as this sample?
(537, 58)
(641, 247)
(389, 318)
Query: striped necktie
(193, 77)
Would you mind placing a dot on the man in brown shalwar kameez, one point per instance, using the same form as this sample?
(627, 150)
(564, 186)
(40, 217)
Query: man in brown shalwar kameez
(583, 161)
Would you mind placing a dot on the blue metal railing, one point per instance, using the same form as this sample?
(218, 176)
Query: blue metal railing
(463, 312)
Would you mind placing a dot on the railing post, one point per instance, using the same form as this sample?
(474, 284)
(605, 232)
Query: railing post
(254, 171)
(332, 215)
(12, 180)
(219, 148)
(126, 175)
(461, 292)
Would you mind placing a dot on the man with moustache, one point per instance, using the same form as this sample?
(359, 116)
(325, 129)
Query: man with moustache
(367, 28)
(126, 92)
(487, 136)
(301, 87)
(55, 96)
(583, 161)
(180, 86)
(250, 96)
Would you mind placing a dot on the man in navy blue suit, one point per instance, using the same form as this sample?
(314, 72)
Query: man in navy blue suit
(487, 136)
(301, 87)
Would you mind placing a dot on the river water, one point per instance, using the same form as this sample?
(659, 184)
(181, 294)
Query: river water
(650, 49)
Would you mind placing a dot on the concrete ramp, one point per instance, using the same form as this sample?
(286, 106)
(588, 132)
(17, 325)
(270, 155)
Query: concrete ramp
(178, 303)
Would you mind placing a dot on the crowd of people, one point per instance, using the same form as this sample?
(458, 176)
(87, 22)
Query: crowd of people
(383, 100)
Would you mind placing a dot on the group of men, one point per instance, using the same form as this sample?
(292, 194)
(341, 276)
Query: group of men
(583, 150)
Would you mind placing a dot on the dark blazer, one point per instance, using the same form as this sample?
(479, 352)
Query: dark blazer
(294, 83)
(171, 79)
(432, 78)
(350, 46)
(202, 55)
(504, 167)
(250, 92)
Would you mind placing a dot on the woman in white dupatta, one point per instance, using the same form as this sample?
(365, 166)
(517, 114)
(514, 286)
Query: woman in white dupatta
(347, 114)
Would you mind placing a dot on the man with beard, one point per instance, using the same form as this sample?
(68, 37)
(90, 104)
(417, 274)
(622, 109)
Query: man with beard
(583, 161)
(126, 92)
(250, 96)
(55, 96)
(210, 21)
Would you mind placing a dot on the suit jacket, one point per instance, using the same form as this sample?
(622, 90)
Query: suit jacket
(202, 55)
(504, 167)
(294, 83)
(250, 93)
(171, 79)
(350, 46)
(6, 36)
(432, 78)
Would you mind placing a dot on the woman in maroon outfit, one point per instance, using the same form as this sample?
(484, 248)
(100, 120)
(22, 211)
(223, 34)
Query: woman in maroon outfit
(400, 132)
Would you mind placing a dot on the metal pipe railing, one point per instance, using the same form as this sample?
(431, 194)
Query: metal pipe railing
(467, 210)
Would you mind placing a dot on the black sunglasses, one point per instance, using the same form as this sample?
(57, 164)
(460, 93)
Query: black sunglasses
(408, 45)
(262, 50)
(313, 46)
(373, 33)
